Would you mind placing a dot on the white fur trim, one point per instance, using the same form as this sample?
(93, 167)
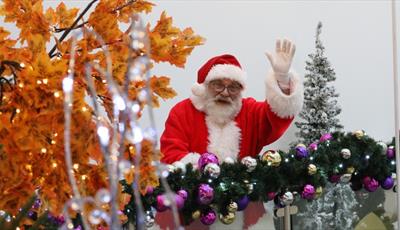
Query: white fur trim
(227, 71)
(192, 158)
(223, 141)
(285, 105)
(198, 89)
(198, 102)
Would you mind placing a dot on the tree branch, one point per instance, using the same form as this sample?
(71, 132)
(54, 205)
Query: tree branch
(58, 30)
(122, 6)
(66, 32)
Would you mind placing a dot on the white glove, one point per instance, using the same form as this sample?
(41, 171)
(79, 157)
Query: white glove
(281, 61)
(192, 158)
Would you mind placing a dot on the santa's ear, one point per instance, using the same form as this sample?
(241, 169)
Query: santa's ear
(199, 89)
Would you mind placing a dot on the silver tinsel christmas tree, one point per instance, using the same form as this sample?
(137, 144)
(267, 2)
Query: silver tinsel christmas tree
(319, 114)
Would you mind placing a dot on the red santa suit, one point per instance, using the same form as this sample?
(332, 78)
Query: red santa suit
(189, 131)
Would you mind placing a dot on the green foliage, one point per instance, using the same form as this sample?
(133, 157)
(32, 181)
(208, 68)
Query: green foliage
(291, 175)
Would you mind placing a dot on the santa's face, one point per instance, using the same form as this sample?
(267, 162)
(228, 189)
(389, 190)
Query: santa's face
(225, 91)
(223, 99)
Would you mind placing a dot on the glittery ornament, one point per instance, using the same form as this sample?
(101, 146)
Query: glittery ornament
(212, 169)
(206, 158)
(273, 158)
(370, 184)
(334, 178)
(205, 194)
(149, 221)
(308, 192)
(242, 203)
(345, 178)
(160, 206)
(301, 151)
(271, 195)
(250, 163)
(312, 169)
(359, 134)
(313, 146)
(208, 217)
(387, 183)
(287, 198)
(383, 147)
(318, 192)
(180, 167)
(196, 214)
(179, 201)
(390, 152)
(350, 170)
(228, 218)
(346, 153)
(232, 207)
(229, 160)
(325, 137)
(183, 193)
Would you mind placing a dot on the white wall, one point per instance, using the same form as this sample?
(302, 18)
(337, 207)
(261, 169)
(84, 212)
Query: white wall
(356, 34)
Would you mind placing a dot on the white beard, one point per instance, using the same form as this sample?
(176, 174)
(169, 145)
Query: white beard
(222, 113)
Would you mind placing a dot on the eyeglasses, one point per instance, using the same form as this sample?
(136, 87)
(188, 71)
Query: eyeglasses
(219, 86)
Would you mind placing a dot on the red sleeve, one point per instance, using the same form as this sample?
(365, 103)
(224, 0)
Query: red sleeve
(268, 126)
(174, 142)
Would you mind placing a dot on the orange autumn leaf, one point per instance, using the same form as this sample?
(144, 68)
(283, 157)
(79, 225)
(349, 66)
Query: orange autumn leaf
(65, 17)
(170, 44)
(160, 86)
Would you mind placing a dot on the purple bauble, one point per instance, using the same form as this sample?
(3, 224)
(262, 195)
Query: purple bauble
(149, 190)
(325, 137)
(334, 178)
(308, 192)
(271, 195)
(242, 203)
(370, 184)
(60, 220)
(37, 203)
(387, 183)
(160, 206)
(208, 217)
(301, 151)
(180, 202)
(32, 215)
(183, 194)
(206, 158)
(205, 194)
(313, 146)
(390, 152)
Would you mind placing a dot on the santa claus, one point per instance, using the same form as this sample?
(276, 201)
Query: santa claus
(217, 119)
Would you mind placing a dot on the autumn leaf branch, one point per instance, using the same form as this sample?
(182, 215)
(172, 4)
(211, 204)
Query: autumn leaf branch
(66, 32)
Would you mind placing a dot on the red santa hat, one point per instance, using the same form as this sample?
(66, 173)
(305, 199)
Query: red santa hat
(219, 67)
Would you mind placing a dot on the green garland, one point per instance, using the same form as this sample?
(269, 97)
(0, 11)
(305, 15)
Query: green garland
(368, 159)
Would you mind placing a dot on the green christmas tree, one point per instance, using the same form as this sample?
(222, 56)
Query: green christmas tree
(320, 111)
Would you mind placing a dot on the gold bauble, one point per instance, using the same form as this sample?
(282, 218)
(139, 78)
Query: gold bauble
(196, 214)
(228, 218)
(350, 169)
(312, 169)
(301, 145)
(318, 192)
(232, 207)
(273, 158)
(359, 134)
